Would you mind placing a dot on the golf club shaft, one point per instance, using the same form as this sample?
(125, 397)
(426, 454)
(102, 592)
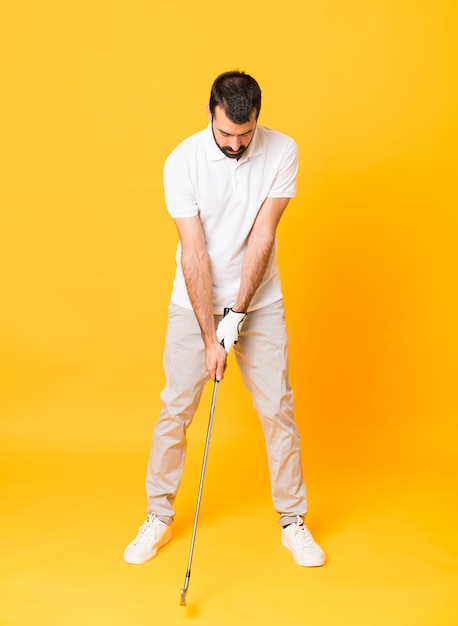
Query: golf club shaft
(199, 496)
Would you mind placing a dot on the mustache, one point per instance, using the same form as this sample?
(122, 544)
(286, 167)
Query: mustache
(233, 153)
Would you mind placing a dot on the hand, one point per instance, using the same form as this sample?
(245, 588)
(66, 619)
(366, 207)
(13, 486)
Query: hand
(215, 360)
(229, 328)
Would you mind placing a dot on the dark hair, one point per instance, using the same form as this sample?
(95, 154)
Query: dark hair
(238, 94)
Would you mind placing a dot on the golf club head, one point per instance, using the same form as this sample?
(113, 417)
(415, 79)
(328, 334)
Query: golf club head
(183, 597)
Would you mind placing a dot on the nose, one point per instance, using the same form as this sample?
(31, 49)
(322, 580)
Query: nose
(236, 142)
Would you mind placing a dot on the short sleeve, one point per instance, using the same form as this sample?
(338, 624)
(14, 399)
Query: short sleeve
(179, 193)
(284, 184)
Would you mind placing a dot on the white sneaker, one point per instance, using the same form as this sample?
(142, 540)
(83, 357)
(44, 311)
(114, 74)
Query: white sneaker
(152, 535)
(297, 538)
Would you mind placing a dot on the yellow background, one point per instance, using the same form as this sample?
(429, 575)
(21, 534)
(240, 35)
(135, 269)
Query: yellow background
(94, 95)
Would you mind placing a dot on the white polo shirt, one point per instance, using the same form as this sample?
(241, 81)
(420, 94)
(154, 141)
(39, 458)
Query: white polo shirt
(227, 194)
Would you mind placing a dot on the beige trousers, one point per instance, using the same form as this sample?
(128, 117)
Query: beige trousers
(262, 356)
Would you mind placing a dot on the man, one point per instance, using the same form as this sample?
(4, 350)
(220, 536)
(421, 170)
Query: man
(226, 188)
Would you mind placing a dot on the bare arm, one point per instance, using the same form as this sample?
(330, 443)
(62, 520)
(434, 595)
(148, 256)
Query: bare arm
(259, 247)
(197, 273)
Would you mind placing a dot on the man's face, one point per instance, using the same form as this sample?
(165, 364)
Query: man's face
(232, 139)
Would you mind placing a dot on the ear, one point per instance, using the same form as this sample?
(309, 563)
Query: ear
(209, 113)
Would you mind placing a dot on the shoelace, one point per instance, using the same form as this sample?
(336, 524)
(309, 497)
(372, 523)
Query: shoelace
(302, 536)
(146, 530)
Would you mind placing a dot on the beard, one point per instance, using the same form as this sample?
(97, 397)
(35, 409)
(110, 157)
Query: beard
(230, 153)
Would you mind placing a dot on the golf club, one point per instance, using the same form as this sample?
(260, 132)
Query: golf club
(196, 516)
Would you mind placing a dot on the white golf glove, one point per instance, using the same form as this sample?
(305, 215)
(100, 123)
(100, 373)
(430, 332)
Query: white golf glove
(229, 327)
